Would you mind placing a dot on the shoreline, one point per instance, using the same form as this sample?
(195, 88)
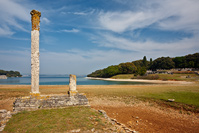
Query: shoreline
(142, 80)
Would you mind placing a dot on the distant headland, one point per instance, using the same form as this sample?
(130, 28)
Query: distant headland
(4, 74)
(143, 67)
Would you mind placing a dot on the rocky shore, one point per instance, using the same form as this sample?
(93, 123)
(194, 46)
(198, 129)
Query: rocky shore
(3, 77)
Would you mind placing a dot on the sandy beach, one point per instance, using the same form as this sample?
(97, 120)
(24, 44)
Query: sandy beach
(142, 80)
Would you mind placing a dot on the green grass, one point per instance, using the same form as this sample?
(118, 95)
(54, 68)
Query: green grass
(191, 98)
(177, 77)
(188, 95)
(123, 76)
(56, 120)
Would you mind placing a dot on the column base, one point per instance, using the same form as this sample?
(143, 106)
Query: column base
(34, 94)
(72, 93)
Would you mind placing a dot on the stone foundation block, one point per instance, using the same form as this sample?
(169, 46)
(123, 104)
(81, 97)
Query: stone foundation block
(43, 101)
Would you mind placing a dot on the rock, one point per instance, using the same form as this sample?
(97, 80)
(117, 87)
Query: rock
(75, 131)
(171, 100)
(3, 111)
(2, 128)
(93, 130)
(3, 77)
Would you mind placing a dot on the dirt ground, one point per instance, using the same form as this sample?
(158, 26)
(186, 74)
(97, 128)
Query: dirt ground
(7, 104)
(149, 119)
(140, 116)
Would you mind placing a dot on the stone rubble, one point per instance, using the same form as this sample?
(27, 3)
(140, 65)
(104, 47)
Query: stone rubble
(119, 126)
(4, 118)
(41, 102)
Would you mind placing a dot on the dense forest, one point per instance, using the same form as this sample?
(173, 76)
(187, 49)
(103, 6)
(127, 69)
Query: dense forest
(10, 73)
(140, 67)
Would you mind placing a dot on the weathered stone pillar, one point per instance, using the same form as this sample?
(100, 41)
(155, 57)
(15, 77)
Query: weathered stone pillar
(35, 18)
(72, 85)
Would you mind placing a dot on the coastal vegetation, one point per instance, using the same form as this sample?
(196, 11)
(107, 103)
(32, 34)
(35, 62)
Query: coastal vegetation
(139, 67)
(10, 73)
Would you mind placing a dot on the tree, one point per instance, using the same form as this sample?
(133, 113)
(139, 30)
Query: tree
(127, 68)
(180, 62)
(151, 61)
(10, 73)
(191, 64)
(144, 61)
(163, 63)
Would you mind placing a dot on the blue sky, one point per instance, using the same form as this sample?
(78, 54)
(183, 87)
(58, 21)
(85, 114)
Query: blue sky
(81, 36)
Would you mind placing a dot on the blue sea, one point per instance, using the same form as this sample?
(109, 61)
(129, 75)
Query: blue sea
(62, 80)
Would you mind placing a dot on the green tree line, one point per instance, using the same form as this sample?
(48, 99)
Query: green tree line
(10, 73)
(139, 67)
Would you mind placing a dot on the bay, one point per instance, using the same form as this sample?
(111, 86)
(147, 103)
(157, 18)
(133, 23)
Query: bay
(63, 80)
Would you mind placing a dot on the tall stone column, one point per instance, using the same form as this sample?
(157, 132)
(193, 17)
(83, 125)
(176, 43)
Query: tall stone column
(72, 85)
(35, 18)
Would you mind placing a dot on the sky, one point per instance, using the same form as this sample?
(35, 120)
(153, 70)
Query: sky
(81, 36)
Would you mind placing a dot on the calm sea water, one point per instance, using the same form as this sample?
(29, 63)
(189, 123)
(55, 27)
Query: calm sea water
(61, 80)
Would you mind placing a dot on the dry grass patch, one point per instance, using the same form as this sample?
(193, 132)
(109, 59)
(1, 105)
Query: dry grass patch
(57, 120)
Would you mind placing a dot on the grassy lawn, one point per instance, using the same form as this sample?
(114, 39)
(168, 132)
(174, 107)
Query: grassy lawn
(177, 77)
(186, 97)
(56, 120)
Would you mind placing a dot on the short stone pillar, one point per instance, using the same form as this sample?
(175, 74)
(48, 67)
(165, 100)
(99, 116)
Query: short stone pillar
(35, 18)
(72, 85)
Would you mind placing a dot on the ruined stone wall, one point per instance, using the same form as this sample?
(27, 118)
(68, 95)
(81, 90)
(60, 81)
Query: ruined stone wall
(42, 102)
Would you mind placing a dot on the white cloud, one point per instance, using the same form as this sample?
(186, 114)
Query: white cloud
(5, 31)
(17, 60)
(185, 14)
(80, 13)
(73, 30)
(11, 12)
(81, 62)
(45, 20)
(151, 12)
(74, 61)
(180, 47)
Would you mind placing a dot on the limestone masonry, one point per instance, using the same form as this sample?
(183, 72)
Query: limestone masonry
(35, 18)
(72, 85)
(55, 101)
(35, 100)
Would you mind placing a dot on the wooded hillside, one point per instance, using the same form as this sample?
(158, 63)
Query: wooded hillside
(139, 67)
(10, 73)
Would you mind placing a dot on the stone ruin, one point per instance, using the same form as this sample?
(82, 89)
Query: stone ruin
(36, 100)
